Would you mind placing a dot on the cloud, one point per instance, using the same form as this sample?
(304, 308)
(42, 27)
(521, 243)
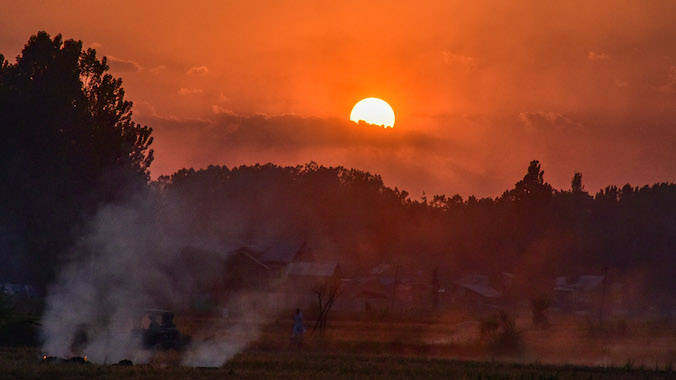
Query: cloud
(189, 91)
(450, 58)
(95, 45)
(547, 121)
(158, 69)
(294, 132)
(594, 56)
(123, 65)
(220, 110)
(670, 86)
(233, 139)
(198, 71)
(620, 82)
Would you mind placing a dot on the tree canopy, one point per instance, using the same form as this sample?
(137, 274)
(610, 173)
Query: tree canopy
(69, 144)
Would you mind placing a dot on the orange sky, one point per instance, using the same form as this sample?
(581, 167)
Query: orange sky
(478, 90)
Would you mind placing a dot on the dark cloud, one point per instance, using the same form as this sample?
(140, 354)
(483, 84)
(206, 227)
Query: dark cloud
(123, 65)
(231, 139)
(293, 132)
(547, 121)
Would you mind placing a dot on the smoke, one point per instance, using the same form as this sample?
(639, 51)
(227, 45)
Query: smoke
(133, 258)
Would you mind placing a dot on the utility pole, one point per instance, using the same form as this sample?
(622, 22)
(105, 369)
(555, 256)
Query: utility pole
(394, 287)
(603, 294)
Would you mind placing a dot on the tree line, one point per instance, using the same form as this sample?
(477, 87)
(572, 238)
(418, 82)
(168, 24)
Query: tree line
(70, 146)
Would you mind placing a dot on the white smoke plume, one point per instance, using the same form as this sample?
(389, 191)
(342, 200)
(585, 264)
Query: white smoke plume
(131, 260)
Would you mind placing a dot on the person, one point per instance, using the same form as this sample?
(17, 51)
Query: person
(298, 328)
(153, 326)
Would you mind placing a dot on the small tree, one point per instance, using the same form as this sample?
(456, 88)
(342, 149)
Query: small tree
(498, 331)
(539, 306)
(576, 183)
(326, 296)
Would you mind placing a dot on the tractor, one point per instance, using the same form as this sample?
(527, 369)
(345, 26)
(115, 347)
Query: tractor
(158, 331)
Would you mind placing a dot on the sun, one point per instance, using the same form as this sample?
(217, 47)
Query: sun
(373, 111)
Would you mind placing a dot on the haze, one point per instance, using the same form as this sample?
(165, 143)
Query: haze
(478, 90)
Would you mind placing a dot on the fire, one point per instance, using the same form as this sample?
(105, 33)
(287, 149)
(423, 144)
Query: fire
(44, 357)
(85, 358)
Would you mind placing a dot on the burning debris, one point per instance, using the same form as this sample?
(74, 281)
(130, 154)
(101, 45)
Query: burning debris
(78, 360)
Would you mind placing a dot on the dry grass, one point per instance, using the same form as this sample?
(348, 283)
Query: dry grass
(257, 364)
(441, 346)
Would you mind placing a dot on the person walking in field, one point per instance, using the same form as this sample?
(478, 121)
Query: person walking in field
(298, 327)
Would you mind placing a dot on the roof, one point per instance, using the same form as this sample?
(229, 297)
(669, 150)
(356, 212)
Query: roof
(381, 269)
(474, 279)
(255, 260)
(311, 269)
(482, 290)
(586, 282)
(282, 252)
(479, 284)
(18, 289)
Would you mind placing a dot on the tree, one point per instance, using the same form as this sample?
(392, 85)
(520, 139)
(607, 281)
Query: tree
(532, 188)
(69, 145)
(576, 184)
(326, 296)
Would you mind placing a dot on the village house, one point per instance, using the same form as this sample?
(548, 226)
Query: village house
(474, 290)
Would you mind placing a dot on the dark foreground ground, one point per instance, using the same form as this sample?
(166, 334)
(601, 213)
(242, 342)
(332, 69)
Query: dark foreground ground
(258, 364)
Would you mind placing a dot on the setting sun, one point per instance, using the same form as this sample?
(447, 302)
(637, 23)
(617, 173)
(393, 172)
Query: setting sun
(373, 111)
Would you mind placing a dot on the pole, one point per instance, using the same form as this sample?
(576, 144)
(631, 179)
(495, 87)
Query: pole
(394, 287)
(603, 294)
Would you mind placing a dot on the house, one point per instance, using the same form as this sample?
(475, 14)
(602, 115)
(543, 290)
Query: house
(475, 290)
(387, 287)
(19, 290)
(308, 275)
(578, 292)
(280, 254)
(243, 269)
(222, 275)
(285, 252)
(364, 294)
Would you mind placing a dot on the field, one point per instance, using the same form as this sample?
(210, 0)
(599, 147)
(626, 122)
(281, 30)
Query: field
(445, 346)
(258, 364)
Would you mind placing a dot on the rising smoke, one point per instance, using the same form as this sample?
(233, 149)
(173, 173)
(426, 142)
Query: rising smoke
(130, 260)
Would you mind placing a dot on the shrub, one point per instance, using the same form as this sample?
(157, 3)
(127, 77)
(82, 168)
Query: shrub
(498, 331)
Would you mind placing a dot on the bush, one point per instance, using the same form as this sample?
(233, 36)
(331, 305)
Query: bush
(499, 333)
(539, 306)
(15, 331)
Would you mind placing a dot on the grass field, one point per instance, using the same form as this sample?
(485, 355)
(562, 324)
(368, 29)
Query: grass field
(444, 347)
(301, 364)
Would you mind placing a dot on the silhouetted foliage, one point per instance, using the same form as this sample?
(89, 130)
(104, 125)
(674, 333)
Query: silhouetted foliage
(498, 331)
(533, 231)
(69, 145)
(16, 329)
(539, 306)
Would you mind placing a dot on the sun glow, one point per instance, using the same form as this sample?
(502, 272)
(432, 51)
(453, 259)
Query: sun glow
(373, 111)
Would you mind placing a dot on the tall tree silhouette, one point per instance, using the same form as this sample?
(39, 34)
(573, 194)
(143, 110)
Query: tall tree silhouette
(68, 145)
